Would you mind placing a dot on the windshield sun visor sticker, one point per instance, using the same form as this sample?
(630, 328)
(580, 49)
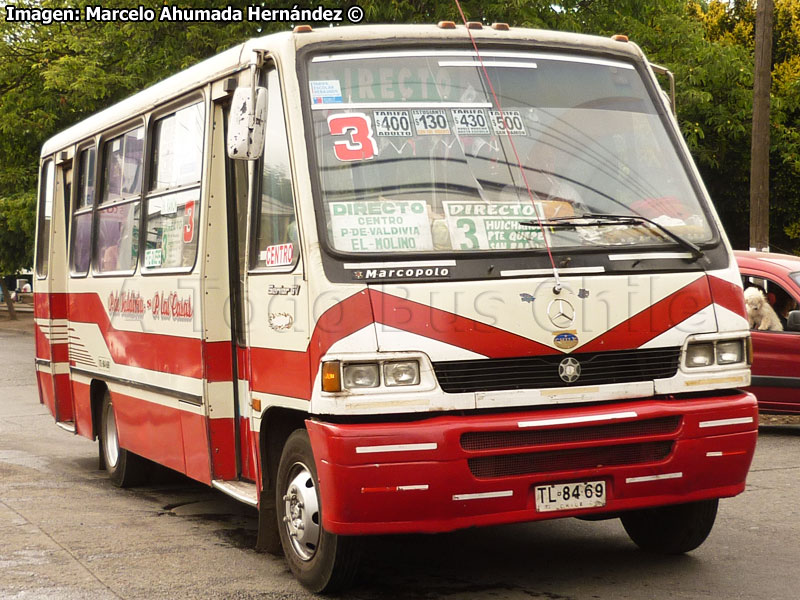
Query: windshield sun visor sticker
(326, 91)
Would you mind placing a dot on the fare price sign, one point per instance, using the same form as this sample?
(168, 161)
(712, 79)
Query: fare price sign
(380, 226)
(481, 226)
(470, 121)
(507, 122)
(392, 123)
(431, 122)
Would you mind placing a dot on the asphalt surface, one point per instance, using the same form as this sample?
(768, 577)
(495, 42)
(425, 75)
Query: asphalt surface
(67, 533)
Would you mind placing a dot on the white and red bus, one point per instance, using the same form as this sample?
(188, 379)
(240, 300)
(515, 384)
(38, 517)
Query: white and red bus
(400, 279)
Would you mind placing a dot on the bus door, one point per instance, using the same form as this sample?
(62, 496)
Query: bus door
(220, 307)
(269, 292)
(41, 287)
(59, 331)
(50, 299)
(276, 290)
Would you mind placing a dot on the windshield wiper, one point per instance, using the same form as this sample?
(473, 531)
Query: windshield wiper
(595, 219)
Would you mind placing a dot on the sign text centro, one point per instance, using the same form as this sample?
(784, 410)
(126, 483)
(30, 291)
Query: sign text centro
(381, 226)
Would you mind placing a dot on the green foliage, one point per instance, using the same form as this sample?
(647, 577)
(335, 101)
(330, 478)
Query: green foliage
(16, 232)
(53, 76)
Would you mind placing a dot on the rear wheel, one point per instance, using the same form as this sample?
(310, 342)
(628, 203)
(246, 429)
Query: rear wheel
(124, 468)
(321, 561)
(671, 529)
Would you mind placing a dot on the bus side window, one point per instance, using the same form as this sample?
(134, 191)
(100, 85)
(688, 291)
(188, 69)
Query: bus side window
(80, 247)
(173, 199)
(275, 238)
(46, 186)
(117, 235)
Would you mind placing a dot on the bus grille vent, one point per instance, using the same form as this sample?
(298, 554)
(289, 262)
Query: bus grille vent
(536, 372)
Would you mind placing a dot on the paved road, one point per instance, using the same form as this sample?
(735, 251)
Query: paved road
(66, 533)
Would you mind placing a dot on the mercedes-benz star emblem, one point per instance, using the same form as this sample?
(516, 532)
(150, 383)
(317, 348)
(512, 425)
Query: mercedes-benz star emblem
(569, 370)
(561, 313)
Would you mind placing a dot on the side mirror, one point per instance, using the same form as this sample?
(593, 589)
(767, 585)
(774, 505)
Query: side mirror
(246, 123)
(793, 321)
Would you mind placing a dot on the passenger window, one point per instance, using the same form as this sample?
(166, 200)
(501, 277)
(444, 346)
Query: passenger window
(173, 202)
(768, 309)
(46, 184)
(276, 242)
(117, 235)
(80, 246)
(122, 175)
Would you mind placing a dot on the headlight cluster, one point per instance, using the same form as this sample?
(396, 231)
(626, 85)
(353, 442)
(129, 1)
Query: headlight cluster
(337, 376)
(721, 352)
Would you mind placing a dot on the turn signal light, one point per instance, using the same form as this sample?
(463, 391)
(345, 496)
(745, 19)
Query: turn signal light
(331, 376)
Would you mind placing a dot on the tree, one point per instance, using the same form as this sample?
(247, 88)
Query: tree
(16, 239)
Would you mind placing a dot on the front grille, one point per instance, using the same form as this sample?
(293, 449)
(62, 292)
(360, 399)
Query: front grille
(493, 440)
(533, 372)
(507, 465)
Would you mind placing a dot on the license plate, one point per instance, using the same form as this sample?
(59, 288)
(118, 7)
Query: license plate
(569, 496)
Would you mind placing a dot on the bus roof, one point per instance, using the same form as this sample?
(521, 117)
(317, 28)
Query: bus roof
(238, 57)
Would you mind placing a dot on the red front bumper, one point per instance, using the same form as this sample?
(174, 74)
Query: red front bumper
(423, 476)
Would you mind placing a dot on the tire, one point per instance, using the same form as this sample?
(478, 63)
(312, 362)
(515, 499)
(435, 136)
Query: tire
(321, 561)
(671, 529)
(124, 468)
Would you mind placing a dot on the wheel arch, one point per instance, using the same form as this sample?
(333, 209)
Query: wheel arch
(97, 392)
(277, 424)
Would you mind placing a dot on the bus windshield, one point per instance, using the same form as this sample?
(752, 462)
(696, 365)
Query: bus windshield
(416, 154)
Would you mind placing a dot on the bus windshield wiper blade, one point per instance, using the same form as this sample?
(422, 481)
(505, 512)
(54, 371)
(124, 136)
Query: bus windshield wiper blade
(595, 219)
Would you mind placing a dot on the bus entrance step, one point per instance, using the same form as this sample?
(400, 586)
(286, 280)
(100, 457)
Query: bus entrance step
(244, 491)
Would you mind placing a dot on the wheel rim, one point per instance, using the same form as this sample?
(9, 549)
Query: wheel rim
(301, 512)
(110, 441)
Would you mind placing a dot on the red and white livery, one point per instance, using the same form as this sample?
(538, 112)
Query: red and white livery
(380, 280)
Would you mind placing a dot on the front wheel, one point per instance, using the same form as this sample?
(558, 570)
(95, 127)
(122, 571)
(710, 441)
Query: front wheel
(124, 468)
(323, 562)
(671, 529)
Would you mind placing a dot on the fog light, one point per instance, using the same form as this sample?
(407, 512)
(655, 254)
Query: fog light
(730, 352)
(401, 373)
(362, 375)
(699, 355)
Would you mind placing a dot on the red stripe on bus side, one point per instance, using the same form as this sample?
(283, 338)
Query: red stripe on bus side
(42, 344)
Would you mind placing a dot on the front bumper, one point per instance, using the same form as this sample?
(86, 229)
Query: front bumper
(451, 472)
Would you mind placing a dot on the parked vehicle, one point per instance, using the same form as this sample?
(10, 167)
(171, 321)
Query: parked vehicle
(776, 354)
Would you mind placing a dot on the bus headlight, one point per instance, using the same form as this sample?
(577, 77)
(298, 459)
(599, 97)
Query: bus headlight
(401, 373)
(730, 352)
(362, 375)
(700, 355)
(720, 352)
